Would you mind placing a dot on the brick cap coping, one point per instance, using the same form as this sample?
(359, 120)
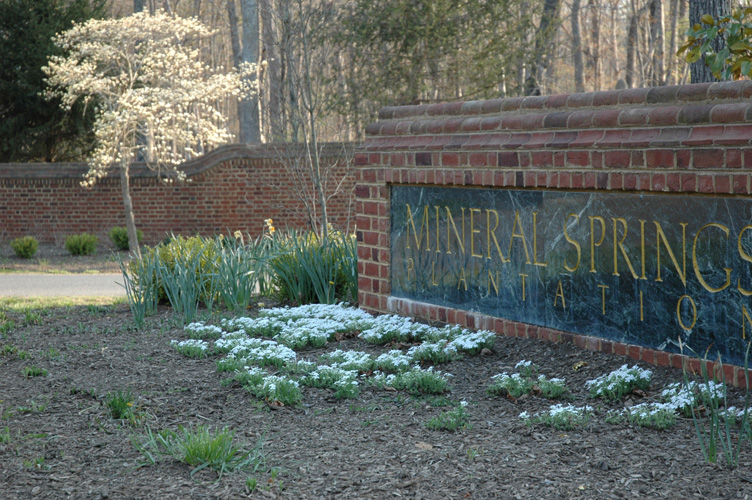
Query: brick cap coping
(720, 103)
(194, 167)
(734, 375)
(692, 93)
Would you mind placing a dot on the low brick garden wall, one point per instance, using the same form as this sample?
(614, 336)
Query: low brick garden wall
(234, 187)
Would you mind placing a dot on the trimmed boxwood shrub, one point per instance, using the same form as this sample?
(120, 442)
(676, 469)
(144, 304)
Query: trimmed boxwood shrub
(81, 244)
(25, 247)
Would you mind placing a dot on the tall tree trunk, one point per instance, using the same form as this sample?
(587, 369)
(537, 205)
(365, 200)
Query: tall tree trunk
(699, 71)
(631, 48)
(138, 5)
(595, 49)
(673, 19)
(248, 110)
(232, 17)
(543, 37)
(613, 28)
(273, 128)
(658, 69)
(579, 82)
(130, 220)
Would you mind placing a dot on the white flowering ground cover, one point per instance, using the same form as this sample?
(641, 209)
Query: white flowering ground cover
(341, 405)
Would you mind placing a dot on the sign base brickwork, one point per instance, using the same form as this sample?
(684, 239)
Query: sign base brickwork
(625, 215)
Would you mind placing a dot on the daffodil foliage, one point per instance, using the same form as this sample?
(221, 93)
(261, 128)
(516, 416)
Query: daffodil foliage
(153, 92)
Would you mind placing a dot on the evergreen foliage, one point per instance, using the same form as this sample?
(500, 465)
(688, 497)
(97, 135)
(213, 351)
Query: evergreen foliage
(31, 127)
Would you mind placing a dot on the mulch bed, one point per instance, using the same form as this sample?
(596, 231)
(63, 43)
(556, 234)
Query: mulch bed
(375, 446)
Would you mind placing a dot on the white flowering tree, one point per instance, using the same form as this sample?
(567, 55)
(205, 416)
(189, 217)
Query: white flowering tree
(155, 98)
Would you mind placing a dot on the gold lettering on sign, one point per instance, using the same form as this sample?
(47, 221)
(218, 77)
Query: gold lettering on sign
(619, 246)
(694, 312)
(491, 234)
(433, 274)
(745, 256)
(520, 235)
(523, 286)
(560, 293)
(438, 250)
(574, 243)
(460, 241)
(463, 279)
(661, 236)
(473, 232)
(696, 266)
(410, 267)
(535, 242)
(642, 248)
(642, 317)
(593, 244)
(493, 282)
(418, 236)
(603, 298)
(745, 316)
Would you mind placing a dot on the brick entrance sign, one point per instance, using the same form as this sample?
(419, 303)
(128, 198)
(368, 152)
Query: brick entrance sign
(620, 221)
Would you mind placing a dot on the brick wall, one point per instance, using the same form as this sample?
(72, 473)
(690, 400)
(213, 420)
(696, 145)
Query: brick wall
(682, 139)
(232, 188)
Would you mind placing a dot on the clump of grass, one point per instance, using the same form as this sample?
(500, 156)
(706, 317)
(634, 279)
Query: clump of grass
(34, 371)
(32, 318)
(35, 463)
(451, 421)
(200, 448)
(120, 404)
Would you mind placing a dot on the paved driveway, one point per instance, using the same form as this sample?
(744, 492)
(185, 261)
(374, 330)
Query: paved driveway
(61, 285)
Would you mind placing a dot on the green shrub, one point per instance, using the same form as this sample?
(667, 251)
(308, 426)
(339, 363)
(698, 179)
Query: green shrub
(25, 247)
(119, 237)
(81, 244)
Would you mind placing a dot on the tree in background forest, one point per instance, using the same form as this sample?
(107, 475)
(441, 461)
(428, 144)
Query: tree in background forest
(717, 9)
(32, 129)
(153, 93)
(723, 44)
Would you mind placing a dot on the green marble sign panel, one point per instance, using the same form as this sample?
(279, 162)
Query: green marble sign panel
(644, 269)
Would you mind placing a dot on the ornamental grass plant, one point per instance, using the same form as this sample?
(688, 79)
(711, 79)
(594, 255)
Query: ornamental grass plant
(200, 448)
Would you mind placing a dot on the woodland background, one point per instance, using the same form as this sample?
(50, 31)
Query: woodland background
(337, 62)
